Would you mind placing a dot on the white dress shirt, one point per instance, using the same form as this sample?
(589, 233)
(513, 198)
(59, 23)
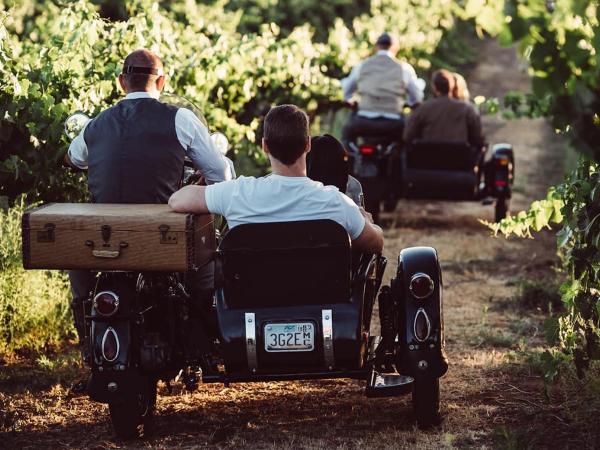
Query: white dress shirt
(409, 76)
(192, 135)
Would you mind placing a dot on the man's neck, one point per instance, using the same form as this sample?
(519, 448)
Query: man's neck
(298, 169)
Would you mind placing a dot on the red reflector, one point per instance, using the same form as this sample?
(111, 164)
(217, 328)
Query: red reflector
(110, 345)
(421, 285)
(422, 325)
(106, 303)
(500, 183)
(367, 149)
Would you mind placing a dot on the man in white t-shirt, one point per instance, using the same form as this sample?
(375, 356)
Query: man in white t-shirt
(287, 194)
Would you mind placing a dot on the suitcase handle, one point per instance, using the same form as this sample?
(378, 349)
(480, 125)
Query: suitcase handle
(106, 253)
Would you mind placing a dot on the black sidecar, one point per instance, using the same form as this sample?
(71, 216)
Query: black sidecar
(458, 171)
(294, 302)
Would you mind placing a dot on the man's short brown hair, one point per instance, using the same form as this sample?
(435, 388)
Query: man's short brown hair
(286, 133)
(141, 58)
(443, 81)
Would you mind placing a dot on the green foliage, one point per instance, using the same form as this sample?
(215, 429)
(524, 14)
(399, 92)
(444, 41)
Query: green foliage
(59, 58)
(562, 42)
(34, 305)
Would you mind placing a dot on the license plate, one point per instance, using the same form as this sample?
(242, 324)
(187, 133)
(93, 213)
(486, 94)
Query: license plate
(289, 337)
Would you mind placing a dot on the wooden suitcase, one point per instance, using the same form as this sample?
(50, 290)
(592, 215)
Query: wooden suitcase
(116, 237)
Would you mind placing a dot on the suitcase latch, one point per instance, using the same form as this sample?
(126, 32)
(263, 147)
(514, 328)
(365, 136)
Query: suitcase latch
(105, 231)
(165, 236)
(48, 234)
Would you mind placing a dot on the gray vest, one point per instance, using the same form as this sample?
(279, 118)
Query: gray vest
(381, 85)
(134, 155)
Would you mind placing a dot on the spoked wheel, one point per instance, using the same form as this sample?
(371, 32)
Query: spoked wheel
(132, 416)
(501, 209)
(426, 401)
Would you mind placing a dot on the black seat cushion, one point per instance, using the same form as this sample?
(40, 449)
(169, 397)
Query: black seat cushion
(285, 264)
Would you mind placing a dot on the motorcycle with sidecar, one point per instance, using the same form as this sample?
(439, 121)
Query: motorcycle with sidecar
(292, 302)
(432, 170)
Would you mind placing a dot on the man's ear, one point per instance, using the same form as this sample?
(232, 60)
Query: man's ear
(160, 83)
(123, 83)
(264, 146)
(308, 147)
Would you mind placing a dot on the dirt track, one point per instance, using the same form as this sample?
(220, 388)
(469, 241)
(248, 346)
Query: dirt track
(488, 396)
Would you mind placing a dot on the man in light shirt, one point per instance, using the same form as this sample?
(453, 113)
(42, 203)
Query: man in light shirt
(287, 194)
(383, 85)
(134, 152)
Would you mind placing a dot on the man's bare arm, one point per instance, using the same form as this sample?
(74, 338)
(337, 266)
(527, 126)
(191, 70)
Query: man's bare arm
(370, 239)
(190, 199)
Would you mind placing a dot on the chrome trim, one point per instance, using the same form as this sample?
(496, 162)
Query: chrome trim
(110, 330)
(327, 323)
(250, 321)
(427, 321)
(431, 285)
(110, 293)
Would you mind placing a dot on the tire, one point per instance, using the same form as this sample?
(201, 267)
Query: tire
(133, 416)
(501, 209)
(426, 401)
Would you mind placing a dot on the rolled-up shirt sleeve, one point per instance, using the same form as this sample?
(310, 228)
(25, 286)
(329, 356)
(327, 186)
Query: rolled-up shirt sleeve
(78, 151)
(195, 139)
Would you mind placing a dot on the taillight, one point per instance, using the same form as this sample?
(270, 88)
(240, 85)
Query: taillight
(110, 345)
(106, 303)
(421, 326)
(421, 285)
(367, 150)
(500, 183)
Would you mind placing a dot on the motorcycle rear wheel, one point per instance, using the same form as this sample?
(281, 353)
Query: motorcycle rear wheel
(132, 416)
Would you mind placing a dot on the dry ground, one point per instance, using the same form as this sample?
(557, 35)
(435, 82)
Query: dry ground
(491, 396)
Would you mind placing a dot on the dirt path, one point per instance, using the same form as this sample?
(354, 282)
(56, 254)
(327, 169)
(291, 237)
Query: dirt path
(489, 395)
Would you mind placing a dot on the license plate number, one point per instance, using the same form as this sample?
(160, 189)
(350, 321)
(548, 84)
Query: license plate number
(289, 337)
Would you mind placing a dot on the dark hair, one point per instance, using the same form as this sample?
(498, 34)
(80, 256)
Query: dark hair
(327, 162)
(286, 133)
(141, 58)
(384, 41)
(443, 81)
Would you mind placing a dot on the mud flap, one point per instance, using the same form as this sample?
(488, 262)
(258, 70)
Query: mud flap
(421, 324)
(114, 385)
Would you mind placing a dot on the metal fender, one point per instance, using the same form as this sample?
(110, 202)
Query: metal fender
(110, 338)
(417, 290)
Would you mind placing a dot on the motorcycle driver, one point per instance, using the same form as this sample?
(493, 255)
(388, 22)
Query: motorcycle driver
(134, 152)
(384, 85)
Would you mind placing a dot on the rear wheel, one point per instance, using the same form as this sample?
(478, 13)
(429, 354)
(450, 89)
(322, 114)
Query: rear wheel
(501, 209)
(426, 401)
(132, 416)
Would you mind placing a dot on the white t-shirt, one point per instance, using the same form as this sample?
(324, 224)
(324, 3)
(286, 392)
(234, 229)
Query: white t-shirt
(276, 198)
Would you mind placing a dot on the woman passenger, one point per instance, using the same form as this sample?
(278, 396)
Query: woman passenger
(460, 90)
(327, 162)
